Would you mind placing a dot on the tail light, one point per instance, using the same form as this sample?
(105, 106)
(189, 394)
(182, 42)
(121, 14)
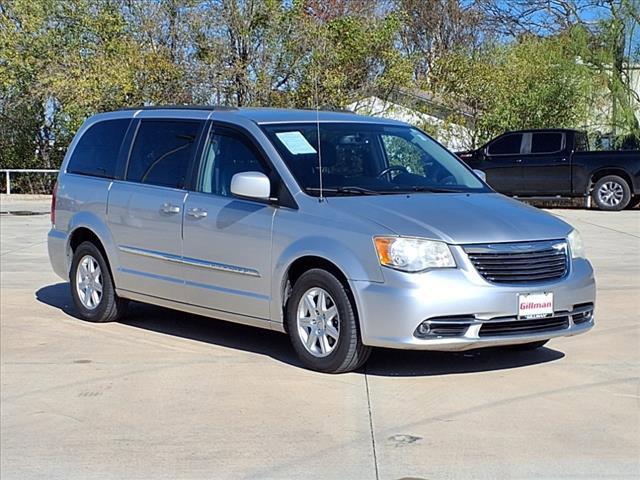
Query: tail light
(54, 197)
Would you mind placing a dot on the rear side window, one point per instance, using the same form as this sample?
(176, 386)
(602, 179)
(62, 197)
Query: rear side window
(97, 150)
(507, 145)
(546, 142)
(162, 152)
(582, 144)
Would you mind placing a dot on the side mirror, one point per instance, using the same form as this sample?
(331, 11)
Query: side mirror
(481, 174)
(251, 185)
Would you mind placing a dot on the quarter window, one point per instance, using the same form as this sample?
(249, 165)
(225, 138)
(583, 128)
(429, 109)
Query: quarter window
(546, 142)
(162, 152)
(96, 153)
(226, 155)
(582, 145)
(507, 145)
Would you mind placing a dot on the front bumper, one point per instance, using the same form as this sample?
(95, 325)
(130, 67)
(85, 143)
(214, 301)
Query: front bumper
(390, 312)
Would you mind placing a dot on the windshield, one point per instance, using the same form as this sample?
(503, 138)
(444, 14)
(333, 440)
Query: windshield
(369, 159)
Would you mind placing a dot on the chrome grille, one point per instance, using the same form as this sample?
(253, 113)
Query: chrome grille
(525, 262)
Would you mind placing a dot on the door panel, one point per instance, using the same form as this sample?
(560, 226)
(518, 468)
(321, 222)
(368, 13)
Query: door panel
(227, 241)
(546, 170)
(146, 223)
(227, 254)
(502, 164)
(145, 211)
(504, 173)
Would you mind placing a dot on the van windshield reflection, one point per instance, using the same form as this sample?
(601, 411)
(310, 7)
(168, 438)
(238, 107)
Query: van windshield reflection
(369, 159)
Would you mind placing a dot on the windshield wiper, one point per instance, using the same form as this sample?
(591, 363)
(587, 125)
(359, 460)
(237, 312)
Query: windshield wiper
(348, 190)
(420, 188)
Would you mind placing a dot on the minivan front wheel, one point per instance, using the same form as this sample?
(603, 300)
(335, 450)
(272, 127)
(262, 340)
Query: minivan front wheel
(322, 324)
(92, 287)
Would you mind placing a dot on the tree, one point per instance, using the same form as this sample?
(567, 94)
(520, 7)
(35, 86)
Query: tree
(606, 39)
(23, 130)
(160, 34)
(248, 50)
(430, 28)
(510, 63)
(67, 59)
(535, 83)
(352, 57)
(62, 61)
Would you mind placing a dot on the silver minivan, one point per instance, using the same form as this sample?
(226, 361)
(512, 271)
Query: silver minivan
(345, 232)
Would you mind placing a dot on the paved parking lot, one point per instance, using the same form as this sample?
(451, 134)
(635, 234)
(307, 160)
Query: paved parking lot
(166, 395)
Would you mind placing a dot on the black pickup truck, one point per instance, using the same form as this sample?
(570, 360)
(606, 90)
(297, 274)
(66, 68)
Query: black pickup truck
(554, 163)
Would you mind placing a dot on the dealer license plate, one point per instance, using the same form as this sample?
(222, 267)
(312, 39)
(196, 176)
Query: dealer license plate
(535, 305)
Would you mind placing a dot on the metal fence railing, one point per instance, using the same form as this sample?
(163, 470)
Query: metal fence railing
(28, 183)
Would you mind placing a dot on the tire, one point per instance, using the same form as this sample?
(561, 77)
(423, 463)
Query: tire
(635, 201)
(312, 336)
(526, 347)
(89, 263)
(611, 193)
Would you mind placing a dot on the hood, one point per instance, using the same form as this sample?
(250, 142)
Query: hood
(457, 218)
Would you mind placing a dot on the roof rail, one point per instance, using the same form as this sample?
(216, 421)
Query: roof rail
(329, 108)
(179, 107)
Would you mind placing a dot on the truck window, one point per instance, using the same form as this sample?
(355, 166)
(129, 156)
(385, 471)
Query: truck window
(506, 145)
(547, 142)
(162, 151)
(582, 143)
(96, 153)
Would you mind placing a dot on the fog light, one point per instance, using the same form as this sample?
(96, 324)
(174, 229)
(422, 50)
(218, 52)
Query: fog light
(424, 329)
(443, 327)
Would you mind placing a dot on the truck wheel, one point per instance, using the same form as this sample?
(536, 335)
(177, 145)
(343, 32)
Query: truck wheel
(611, 193)
(322, 324)
(92, 288)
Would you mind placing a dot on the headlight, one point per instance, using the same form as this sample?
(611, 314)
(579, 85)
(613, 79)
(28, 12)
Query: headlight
(575, 244)
(413, 254)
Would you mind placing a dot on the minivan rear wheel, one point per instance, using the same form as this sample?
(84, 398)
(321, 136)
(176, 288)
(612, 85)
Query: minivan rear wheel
(322, 324)
(92, 289)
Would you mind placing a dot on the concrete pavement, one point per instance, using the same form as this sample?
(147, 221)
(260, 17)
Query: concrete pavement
(19, 204)
(166, 395)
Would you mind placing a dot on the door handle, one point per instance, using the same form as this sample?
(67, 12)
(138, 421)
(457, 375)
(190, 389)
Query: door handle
(170, 209)
(197, 213)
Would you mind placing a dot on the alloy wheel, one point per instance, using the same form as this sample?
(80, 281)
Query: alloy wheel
(611, 194)
(89, 282)
(318, 322)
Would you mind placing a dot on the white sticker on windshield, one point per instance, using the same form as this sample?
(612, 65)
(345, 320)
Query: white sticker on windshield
(295, 142)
